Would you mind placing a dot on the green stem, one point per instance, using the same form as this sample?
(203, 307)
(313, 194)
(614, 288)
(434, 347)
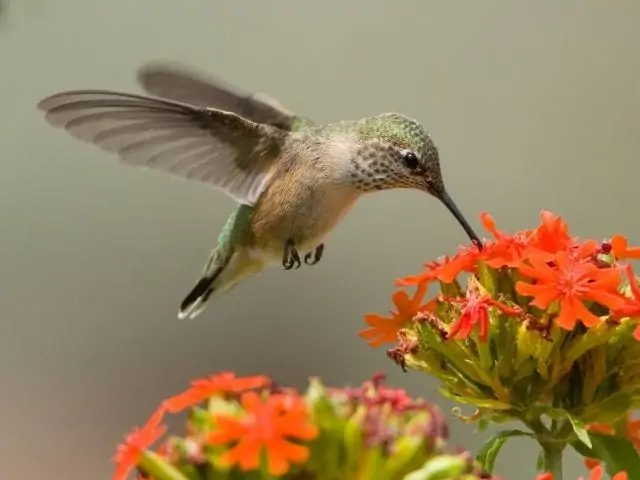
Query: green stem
(552, 458)
(553, 442)
(158, 468)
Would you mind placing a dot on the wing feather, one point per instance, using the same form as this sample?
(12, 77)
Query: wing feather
(186, 84)
(208, 145)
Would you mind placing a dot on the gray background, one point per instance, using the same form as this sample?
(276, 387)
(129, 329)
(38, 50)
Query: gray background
(533, 105)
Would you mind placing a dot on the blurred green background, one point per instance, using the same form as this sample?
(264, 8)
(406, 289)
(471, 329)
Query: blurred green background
(532, 104)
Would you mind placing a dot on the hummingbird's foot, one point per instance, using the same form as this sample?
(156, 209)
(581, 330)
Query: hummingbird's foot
(291, 258)
(315, 256)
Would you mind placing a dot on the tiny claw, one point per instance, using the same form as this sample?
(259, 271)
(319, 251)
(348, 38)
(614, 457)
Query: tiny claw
(291, 258)
(314, 257)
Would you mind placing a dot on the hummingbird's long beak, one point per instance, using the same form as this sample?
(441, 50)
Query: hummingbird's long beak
(449, 203)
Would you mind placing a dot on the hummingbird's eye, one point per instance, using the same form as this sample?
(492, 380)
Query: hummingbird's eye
(410, 160)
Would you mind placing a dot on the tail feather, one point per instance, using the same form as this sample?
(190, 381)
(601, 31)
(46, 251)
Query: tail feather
(221, 274)
(195, 301)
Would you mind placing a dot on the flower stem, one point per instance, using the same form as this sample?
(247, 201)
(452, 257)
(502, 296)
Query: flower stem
(154, 465)
(552, 458)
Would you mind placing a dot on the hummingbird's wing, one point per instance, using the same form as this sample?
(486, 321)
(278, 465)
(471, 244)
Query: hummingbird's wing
(185, 84)
(220, 148)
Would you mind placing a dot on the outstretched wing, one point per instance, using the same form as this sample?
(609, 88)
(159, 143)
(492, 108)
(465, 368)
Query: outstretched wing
(202, 144)
(185, 84)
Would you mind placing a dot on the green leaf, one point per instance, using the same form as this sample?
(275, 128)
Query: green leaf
(580, 430)
(353, 441)
(408, 453)
(374, 465)
(582, 449)
(442, 467)
(617, 453)
(608, 410)
(490, 450)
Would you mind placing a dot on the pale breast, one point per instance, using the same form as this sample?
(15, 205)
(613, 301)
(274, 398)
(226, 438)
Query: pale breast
(308, 196)
(301, 210)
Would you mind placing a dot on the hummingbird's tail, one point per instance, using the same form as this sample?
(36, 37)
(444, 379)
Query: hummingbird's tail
(221, 274)
(194, 303)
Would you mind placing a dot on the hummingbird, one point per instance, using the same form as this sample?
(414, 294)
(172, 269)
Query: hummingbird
(293, 180)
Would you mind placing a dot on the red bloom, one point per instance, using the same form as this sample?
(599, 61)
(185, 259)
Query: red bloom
(128, 454)
(621, 249)
(552, 235)
(266, 426)
(204, 388)
(632, 306)
(475, 311)
(632, 432)
(385, 329)
(598, 472)
(571, 281)
(445, 269)
(545, 476)
(595, 474)
(507, 250)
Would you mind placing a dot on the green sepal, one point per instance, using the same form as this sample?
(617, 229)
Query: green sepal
(488, 278)
(452, 289)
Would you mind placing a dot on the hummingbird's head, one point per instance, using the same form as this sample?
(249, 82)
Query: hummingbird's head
(397, 152)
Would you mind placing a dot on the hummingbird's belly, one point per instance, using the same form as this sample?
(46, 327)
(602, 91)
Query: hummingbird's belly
(306, 220)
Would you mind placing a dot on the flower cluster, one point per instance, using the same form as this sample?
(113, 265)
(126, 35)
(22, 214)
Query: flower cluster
(250, 428)
(537, 325)
(546, 324)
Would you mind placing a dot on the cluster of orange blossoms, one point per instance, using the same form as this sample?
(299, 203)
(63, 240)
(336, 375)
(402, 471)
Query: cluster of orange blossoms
(545, 326)
(251, 427)
(268, 424)
(556, 269)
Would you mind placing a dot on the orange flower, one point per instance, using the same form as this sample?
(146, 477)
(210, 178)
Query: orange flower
(475, 311)
(445, 269)
(595, 474)
(572, 281)
(552, 235)
(632, 431)
(201, 389)
(632, 306)
(598, 471)
(507, 250)
(601, 428)
(128, 454)
(267, 425)
(591, 463)
(621, 249)
(385, 329)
